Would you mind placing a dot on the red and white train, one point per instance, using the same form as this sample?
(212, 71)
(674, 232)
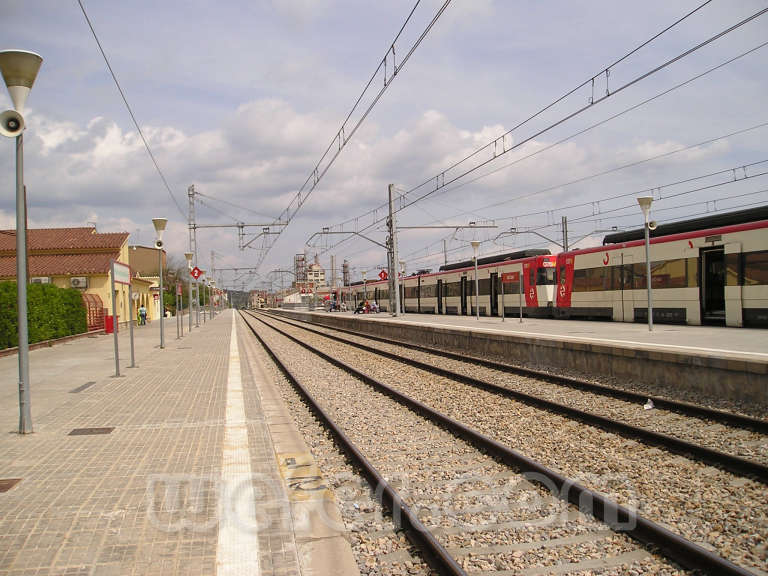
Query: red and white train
(711, 270)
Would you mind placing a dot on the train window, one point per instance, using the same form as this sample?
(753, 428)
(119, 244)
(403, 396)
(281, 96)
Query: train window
(452, 289)
(545, 277)
(678, 273)
(755, 268)
(485, 286)
(411, 291)
(592, 279)
(428, 290)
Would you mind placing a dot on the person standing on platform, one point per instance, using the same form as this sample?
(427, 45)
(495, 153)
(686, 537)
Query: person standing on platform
(142, 315)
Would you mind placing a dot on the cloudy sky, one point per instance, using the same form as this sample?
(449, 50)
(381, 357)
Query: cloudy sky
(241, 99)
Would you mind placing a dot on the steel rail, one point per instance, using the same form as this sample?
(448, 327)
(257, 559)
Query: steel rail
(722, 416)
(734, 464)
(617, 517)
(402, 515)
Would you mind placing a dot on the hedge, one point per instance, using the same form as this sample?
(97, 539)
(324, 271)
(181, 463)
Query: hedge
(52, 312)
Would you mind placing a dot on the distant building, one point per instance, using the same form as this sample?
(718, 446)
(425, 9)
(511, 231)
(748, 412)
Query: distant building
(78, 258)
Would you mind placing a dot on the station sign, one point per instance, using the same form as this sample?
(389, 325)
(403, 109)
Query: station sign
(195, 272)
(508, 277)
(121, 273)
(383, 275)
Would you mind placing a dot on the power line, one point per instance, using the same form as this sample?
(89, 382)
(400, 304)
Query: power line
(341, 138)
(130, 111)
(440, 181)
(605, 121)
(233, 205)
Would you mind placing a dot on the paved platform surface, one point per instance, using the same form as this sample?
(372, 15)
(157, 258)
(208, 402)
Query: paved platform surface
(708, 340)
(193, 478)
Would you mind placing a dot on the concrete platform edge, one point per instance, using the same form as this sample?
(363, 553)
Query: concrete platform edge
(318, 526)
(731, 378)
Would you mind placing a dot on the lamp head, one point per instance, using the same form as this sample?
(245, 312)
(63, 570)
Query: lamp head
(19, 69)
(159, 224)
(188, 256)
(645, 204)
(475, 246)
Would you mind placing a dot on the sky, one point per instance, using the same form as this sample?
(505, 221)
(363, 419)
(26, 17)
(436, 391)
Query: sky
(242, 98)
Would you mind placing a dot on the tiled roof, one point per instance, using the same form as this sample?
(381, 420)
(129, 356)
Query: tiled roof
(64, 239)
(60, 264)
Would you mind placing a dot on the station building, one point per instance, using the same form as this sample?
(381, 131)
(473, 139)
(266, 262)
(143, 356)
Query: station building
(80, 258)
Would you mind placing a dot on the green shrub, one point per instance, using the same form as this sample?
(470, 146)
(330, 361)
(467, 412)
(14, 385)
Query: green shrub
(52, 312)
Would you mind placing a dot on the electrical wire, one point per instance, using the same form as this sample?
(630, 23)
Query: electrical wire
(233, 205)
(605, 121)
(130, 111)
(436, 179)
(341, 138)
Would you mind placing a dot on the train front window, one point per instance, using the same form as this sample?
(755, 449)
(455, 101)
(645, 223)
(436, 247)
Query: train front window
(545, 277)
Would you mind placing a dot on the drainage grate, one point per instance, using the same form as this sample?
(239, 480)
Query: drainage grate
(90, 431)
(81, 388)
(8, 483)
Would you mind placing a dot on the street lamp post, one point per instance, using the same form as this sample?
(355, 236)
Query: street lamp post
(19, 69)
(645, 206)
(159, 224)
(365, 288)
(475, 248)
(189, 256)
(213, 296)
(401, 296)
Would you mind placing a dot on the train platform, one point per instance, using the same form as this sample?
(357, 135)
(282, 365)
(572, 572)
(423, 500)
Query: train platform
(722, 362)
(188, 463)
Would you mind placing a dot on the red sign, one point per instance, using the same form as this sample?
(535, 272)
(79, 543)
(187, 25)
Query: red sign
(383, 275)
(178, 289)
(196, 272)
(508, 277)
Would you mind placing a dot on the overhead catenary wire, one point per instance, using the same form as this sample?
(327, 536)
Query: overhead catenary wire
(341, 138)
(130, 112)
(232, 204)
(446, 182)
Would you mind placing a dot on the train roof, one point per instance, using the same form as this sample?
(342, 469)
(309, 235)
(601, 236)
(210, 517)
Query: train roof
(496, 258)
(714, 221)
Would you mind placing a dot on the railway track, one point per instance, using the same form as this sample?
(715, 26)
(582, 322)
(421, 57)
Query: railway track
(465, 502)
(733, 442)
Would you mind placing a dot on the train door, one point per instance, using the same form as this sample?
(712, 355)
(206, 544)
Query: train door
(712, 287)
(494, 293)
(439, 296)
(626, 289)
(463, 295)
(418, 294)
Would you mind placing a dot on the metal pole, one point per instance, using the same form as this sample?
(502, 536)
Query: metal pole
(181, 308)
(25, 409)
(203, 306)
(189, 306)
(176, 300)
(477, 292)
(520, 282)
(648, 274)
(114, 319)
(197, 303)
(502, 297)
(395, 263)
(162, 303)
(130, 323)
(565, 233)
